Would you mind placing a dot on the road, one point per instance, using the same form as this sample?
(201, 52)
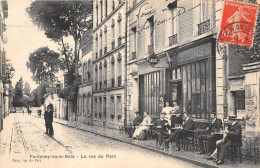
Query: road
(28, 146)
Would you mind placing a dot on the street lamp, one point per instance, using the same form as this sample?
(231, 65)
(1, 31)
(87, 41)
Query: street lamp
(11, 72)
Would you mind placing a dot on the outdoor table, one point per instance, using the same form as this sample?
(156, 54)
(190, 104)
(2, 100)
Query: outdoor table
(218, 132)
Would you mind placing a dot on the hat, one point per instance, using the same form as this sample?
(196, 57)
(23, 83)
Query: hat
(137, 112)
(163, 112)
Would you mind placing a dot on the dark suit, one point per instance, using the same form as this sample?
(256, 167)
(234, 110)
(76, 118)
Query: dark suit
(48, 116)
(233, 138)
(137, 121)
(160, 132)
(182, 133)
(211, 140)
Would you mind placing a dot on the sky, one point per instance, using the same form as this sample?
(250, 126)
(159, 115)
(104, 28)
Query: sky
(23, 38)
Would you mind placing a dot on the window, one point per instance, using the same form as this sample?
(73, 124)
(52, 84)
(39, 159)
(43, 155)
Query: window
(113, 34)
(112, 73)
(105, 40)
(119, 108)
(151, 35)
(95, 107)
(133, 43)
(105, 8)
(100, 76)
(105, 74)
(85, 104)
(100, 108)
(172, 24)
(101, 11)
(101, 43)
(96, 80)
(104, 107)
(113, 5)
(112, 107)
(150, 87)
(195, 89)
(119, 30)
(96, 48)
(201, 16)
(97, 13)
(84, 73)
(119, 72)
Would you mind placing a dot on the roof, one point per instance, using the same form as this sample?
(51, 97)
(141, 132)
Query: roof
(86, 42)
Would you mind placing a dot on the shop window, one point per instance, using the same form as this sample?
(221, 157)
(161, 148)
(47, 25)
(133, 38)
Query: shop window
(150, 87)
(112, 107)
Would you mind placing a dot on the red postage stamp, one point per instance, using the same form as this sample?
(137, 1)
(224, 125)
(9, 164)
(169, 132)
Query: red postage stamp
(238, 23)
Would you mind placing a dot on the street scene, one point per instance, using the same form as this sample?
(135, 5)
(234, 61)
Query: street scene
(130, 83)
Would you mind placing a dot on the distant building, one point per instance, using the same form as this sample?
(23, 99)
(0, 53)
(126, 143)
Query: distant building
(4, 98)
(84, 101)
(108, 62)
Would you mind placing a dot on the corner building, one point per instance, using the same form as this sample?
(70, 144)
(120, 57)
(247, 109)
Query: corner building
(180, 36)
(108, 63)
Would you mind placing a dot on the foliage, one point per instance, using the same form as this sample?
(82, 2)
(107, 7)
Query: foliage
(60, 19)
(70, 92)
(18, 93)
(254, 52)
(38, 94)
(43, 62)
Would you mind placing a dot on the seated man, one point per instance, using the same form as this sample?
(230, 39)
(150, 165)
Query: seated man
(136, 122)
(162, 126)
(211, 140)
(232, 136)
(181, 133)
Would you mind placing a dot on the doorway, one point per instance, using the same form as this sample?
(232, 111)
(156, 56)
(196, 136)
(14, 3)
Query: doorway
(176, 92)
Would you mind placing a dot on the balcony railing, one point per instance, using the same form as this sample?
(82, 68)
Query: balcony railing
(173, 40)
(119, 81)
(113, 45)
(112, 82)
(100, 52)
(134, 55)
(150, 49)
(105, 49)
(96, 55)
(119, 41)
(100, 85)
(204, 27)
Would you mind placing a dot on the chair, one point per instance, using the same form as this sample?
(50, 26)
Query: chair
(256, 152)
(236, 151)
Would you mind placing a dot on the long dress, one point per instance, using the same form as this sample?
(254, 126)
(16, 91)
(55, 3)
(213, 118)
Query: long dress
(168, 111)
(142, 127)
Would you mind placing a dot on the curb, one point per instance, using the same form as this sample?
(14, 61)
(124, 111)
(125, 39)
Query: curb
(201, 164)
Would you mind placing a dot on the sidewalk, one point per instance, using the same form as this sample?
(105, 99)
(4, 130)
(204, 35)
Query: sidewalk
(187, 156)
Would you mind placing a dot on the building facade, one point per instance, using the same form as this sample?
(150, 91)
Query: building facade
(108, 62)
(85, 89)
(171, 54)
(4, 109)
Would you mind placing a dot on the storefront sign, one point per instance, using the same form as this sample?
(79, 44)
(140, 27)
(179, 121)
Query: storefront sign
(236, 85)
(194, 54)
(152, 59)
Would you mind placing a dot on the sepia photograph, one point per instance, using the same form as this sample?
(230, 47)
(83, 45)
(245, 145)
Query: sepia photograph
(129, 83)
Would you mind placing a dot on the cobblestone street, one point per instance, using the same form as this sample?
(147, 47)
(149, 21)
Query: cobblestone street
(24, 139)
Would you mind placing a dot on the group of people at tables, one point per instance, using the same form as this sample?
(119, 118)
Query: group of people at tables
(174, 125)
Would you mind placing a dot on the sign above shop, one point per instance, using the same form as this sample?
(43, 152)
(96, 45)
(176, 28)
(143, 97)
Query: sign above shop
(236, 85)
(194, 53)
(152, 59)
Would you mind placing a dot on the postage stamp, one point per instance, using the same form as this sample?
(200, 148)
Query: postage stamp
(238, 23)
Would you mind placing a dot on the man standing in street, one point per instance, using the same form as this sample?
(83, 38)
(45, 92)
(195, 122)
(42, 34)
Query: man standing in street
(48, 116)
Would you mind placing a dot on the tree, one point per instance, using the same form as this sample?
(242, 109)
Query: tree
(18, 93)
(38, 94)
(60, 19)
(43, 62)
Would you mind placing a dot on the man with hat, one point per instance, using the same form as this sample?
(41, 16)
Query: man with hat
(211, 139)
(232, 136)
(162, 126)
(136, 122)
(181, 133)
(48, 116)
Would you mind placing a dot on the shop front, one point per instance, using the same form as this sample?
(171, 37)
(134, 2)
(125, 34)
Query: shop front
(191, 80)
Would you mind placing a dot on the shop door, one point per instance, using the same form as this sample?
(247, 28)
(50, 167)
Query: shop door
(176, 92)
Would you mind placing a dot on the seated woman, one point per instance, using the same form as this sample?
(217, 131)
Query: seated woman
(139, 131)
(168, 112)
